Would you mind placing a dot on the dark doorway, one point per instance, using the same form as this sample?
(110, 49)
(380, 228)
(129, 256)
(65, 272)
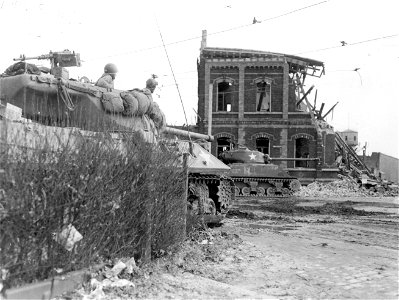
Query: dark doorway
(301, 151)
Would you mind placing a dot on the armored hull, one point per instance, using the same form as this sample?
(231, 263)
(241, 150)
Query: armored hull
(254, 175)
(53, 100)
(210, 190)
(68, 103)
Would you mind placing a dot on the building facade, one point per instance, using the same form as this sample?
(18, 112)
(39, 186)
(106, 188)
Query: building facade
(350, 137)
(257, 99)
(383, 166)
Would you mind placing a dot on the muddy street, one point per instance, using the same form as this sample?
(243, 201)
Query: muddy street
(320, 248)
(284, 248)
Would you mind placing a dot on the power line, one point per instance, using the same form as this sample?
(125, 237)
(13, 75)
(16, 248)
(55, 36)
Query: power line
(316, 50)
(350, 44)
(215, 33)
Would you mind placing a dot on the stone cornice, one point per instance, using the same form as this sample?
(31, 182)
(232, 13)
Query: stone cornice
(235, 122)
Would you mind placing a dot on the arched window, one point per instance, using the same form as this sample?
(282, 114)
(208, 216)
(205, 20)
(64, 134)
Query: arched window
(223, 144)
(263, 96)
(263, 145)
(301, 151)
(224, 94)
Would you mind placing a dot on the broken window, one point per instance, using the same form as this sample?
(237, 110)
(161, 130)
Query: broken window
(262, 145)
(263, 97)
(223, 144)
(302, 151)
(224, 96)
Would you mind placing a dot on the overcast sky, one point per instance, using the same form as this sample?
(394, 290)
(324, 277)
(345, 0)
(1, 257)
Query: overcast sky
(127, 33)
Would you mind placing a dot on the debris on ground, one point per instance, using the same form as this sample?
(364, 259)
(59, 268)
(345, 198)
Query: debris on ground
(344, 187)
(215, 256)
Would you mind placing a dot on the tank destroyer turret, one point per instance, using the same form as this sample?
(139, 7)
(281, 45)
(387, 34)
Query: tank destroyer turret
(254, 174)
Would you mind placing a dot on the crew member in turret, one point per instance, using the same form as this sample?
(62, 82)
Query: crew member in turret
(107, 79)
(150, 86)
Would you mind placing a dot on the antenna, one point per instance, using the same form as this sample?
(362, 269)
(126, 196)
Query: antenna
(348, 121)
(174, 77)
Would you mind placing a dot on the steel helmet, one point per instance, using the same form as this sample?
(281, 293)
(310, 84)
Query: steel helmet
(151, 83)
(110, 69)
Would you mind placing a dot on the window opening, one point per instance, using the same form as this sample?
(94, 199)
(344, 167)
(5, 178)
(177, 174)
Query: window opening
(224, 144)
(262, 145)
(262, 96)
(302, 151)
(224, 96)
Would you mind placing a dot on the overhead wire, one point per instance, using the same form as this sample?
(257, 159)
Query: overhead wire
(350, 44)
(215, 33)
(322, 49)
(174, 77)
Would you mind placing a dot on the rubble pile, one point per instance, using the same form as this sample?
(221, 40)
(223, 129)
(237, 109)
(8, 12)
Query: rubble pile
(344, 187)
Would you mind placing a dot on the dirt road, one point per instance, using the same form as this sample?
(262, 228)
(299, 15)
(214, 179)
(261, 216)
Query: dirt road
(342, 254)
(284, 249)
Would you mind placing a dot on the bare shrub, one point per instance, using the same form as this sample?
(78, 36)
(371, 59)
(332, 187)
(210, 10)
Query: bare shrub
(115, 198)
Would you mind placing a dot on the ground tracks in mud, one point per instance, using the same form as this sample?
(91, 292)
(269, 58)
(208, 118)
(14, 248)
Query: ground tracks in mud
(328, 250)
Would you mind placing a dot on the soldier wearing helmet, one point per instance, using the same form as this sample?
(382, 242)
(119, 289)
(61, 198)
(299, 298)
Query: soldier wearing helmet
(107, 79)
(151, 84)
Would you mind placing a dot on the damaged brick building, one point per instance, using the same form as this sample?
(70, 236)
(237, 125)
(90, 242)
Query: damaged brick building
(257, 99)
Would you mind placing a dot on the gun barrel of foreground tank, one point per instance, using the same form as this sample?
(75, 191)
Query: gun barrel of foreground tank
(180, 132)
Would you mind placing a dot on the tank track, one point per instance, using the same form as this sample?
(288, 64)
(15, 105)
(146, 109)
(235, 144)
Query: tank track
(210, 194)
(265, 187)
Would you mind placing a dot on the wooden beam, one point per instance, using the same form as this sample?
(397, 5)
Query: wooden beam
(303, 97)
(315, 98)
(310, 108)
(330, 110)
(320, 111)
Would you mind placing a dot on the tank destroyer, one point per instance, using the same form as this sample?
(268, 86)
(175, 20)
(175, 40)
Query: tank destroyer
(47, 96)
(254, 174)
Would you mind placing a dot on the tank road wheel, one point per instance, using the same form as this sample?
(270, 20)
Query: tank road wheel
(198, 195)
(193, 206)
(295, 185)
(246, 191)
(226, 193)
(260, 191)
(285, 192)
(209, 207)
(237, 191)
(271, 192)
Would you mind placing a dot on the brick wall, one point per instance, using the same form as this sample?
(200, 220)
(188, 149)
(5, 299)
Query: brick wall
(201, 95)
(277, 124)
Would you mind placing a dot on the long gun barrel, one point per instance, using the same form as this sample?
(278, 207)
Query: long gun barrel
(180, 132)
